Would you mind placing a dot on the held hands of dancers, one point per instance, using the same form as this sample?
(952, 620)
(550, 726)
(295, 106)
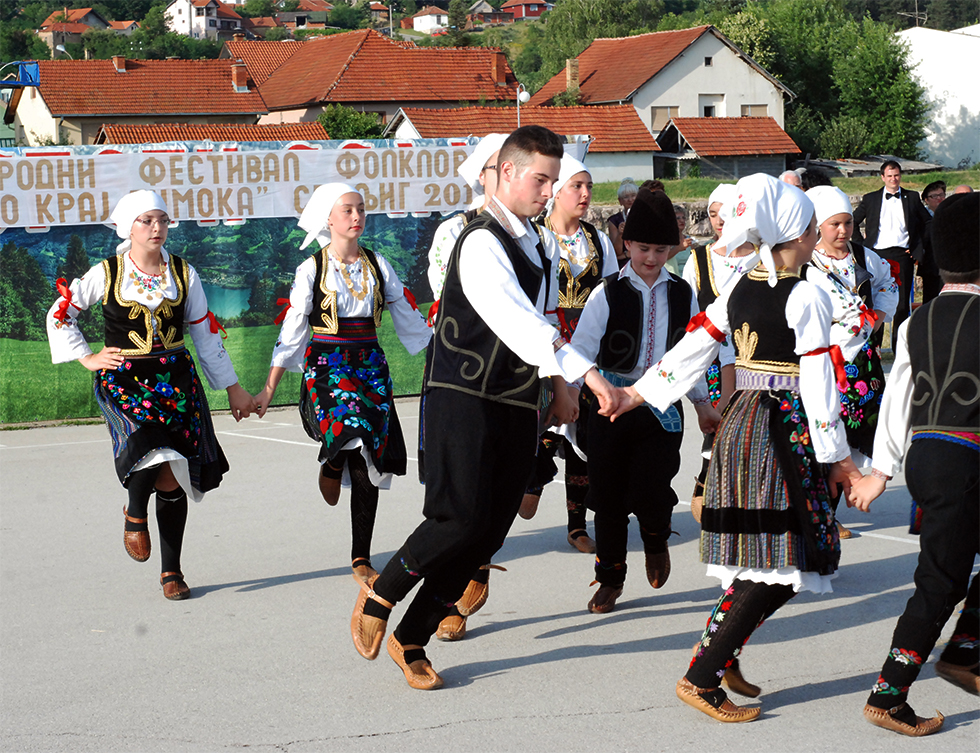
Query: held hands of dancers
(865, 491)
(844, 474)
(263, 398)
(708, 417)
(564, 407)
(242, 404)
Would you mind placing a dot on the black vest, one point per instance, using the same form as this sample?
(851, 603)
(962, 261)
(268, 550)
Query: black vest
(573, 291)
(861, 273)
(323, 314)
(466, 354)
(129, 325)
(619, 349)
(706, 277)
(764, 341)
(945, 355)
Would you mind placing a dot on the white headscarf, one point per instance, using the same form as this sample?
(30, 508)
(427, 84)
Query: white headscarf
(470, 168)
(766, 212)
(570, 167)
(131, 206)
(317, 212)
(725, 195)
(828, 201)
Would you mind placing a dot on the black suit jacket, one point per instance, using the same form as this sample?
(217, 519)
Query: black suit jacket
(917, 220)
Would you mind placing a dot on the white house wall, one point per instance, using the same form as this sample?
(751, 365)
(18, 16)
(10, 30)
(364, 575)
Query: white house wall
(33, 122)
(944, 63)
(614, 166)
(686, 79)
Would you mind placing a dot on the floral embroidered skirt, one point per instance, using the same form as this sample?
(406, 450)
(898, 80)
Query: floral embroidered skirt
(861, 401)
(156, 402)
(346, 396)
(766, 501)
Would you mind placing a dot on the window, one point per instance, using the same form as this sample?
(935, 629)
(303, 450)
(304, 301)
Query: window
(212, 23)
(300, 21)
(660, 115)
(707, 62)
(199, 11)
(709, 111)
(711, 105)
(755, 111)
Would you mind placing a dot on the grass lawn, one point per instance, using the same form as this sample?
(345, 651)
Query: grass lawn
(689, 189)
(34, 389)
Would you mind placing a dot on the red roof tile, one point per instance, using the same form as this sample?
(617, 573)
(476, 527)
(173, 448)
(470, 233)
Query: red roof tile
(314, 6)
(116, 133)
(364, 66)
(123, 25)
(73, 15)
(431, 10)
(177, 87)
(611, 70)
(71, 27)
(616, 128)
(225, 10)
(262, 22)
(733, 136)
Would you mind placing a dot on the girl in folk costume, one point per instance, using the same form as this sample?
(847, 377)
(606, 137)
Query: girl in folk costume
(767, 526)
(586, 257)
(346, 401)
(710, 270)
(626, 195)
(864, 294)
(934, 390)
(146, 382)
(631, 319)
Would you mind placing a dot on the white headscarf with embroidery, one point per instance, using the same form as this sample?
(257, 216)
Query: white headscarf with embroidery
(724, 194)
(131, 206)
(828, 201)
(766, 212)
(317, 212)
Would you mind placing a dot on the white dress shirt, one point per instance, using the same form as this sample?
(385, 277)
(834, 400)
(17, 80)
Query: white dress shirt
(892, 231)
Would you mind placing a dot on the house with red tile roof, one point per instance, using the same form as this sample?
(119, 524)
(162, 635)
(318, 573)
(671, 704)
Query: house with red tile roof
(523, 9)
(727, 148)
(75, 97)
(260, 25)
(159, 133)
(91, 18)
(371, 73)
(481, 13)
(690, 73)
(203, 19)
(621, 145)
(124, 28)
(430, 18)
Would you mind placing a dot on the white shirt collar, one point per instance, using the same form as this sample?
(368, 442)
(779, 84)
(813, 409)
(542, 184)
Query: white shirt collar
(628, 271)
(517, 227)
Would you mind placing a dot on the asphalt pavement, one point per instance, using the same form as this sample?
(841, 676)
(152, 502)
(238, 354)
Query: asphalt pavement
(93, 658)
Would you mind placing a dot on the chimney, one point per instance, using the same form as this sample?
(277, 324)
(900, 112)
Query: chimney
(119, 63)
(571, 74)
(239, 78)
(238, 37)
(498, 68)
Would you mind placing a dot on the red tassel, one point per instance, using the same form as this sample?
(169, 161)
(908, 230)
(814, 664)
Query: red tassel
(836, 358)
(701, 320)
(216, 325)
(61, 285)
(284, 302)
(410, 298)
(867, 316)
(896, 271)
(433, 310)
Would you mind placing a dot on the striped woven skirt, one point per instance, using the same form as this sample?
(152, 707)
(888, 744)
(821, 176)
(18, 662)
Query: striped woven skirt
(766, 501)
(155, 405)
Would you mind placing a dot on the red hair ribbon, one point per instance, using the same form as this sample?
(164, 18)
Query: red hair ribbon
(61, 284)
(433, 310)
(701, 320)
(215, 325)
(836, 358)
(410, 297)
(284, 302)
(867, 316)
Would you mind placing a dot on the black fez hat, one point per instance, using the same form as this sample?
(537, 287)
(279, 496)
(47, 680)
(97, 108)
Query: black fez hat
(956, 233)
(651, 220)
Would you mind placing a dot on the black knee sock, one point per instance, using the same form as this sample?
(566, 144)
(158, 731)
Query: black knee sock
(363, 507)
(171, 519)
(422, 618)
(482, 575)
(140, 486)
(963, 648)
(399, 576)
(576, 490)
(740, 610)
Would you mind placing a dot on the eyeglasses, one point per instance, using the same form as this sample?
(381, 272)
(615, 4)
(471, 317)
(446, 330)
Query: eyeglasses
(489, 167)
(148, 221)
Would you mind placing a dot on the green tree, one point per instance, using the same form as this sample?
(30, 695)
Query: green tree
(102, 44)
(257, 9)
(844, 138)
(752, 34)
(343, 122)
(457, 23)
(25, 294)
(276, 34)
(349, 16)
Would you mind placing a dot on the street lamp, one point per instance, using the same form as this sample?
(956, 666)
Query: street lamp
(61, 48)
(522, 98)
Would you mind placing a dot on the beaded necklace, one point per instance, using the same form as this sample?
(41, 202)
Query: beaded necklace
(348, 281)
(572, 241)
(152, 286)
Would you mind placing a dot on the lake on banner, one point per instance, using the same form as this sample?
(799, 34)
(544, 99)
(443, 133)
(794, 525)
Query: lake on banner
(226, 303)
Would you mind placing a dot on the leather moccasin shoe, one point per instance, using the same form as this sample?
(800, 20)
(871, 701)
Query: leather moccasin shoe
(367, 631)
(888, 718)
(452, 628)
(174, 587)
(658, 567)
(137, 543)
(604, 600)
(843, 533)
(529, 506)
(476, 593)
(737, 684)
(581, 541)
(363, 572)
(329, 489)
(964, 677)
(419, 672)
(715, 703)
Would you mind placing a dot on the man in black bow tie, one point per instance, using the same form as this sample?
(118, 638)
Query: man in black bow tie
(897, 228)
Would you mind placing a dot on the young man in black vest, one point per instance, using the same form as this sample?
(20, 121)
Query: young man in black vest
(934, 390)
(629, 322)
(492, 343)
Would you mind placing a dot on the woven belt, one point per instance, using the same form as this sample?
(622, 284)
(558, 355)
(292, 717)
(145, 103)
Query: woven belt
(757, 380)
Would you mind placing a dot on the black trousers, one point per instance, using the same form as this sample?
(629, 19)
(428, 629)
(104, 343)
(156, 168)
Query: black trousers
(479, 456)
(943, 478)
(632, 462)
(906, 284)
